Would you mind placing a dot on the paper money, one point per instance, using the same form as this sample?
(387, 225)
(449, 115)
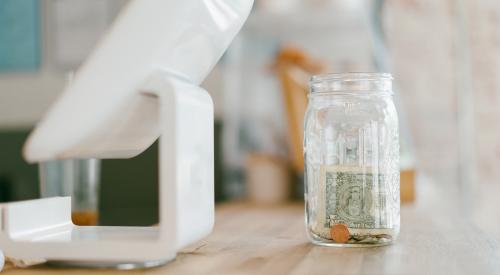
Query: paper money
(355, 197)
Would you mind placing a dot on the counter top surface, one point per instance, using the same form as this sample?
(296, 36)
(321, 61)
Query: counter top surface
(437, 237)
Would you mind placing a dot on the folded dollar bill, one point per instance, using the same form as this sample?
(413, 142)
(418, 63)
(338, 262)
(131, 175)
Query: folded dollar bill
(359, 197)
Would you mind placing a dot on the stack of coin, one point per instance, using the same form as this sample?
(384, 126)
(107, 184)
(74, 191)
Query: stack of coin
(339, 233)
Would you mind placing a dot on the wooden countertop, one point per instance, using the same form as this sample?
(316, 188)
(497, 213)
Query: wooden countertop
(435, 239)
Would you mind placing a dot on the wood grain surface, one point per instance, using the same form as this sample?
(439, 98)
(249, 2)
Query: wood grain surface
(437, 237)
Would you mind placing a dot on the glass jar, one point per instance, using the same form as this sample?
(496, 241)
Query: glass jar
(351, 152)
(78, 178)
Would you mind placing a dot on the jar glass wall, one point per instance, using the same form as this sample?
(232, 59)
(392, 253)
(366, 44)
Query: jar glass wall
(351, 152)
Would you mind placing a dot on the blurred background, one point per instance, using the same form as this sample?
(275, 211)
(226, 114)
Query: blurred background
(444, 56)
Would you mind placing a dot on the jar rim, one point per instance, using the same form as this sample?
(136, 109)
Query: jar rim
(350, 76)
(350, 83)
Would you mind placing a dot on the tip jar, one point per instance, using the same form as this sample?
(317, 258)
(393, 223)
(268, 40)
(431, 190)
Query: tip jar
(351, 153)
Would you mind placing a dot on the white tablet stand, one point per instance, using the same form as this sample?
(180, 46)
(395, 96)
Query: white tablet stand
(42, 230)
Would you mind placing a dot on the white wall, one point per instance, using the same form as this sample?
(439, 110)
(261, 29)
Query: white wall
(25, 97)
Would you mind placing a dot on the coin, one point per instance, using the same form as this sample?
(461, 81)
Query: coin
(340, 233)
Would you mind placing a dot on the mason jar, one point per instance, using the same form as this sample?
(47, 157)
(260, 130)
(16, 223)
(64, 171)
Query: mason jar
(351, 153)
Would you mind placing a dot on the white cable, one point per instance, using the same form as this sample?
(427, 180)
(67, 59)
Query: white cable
(2, 260)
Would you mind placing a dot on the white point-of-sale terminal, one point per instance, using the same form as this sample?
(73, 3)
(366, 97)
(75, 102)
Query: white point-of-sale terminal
(141, 83)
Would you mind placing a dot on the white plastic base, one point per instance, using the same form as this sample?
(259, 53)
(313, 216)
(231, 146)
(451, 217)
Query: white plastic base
(42, 230)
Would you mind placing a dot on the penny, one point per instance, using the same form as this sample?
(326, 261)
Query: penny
(340, 233)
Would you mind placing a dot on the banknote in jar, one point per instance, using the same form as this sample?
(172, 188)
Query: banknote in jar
(363, 200)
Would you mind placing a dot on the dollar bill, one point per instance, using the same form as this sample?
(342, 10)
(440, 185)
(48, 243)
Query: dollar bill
(355, 197)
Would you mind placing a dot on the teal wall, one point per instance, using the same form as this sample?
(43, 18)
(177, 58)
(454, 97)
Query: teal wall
(20, 44)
